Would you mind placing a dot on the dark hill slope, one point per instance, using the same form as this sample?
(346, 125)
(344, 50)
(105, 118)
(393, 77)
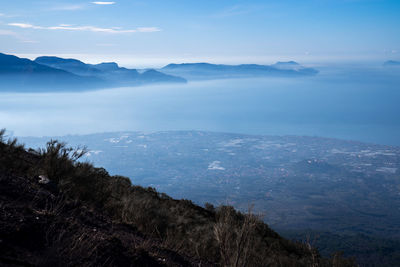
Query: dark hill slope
(81, 216)
(41, 226)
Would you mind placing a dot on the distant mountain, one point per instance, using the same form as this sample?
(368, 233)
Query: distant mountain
(155, 76)
(110, 72)
(72, 65)
(50, 73)
(107, 66)
(391, 63)
(214, 71)
(22, 74)
(289, 65)
(59, 74)
(14, 65)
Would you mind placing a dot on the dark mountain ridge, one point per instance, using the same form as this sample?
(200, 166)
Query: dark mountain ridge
(19, 73)
(56, 210)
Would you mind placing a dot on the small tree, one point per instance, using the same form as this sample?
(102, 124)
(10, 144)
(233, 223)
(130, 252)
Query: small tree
(58, 160)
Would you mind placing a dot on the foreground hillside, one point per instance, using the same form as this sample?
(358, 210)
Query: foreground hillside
(341, 195)
(57, 211)
(299, 182)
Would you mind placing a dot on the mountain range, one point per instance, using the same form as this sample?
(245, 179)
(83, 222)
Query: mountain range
(109, 72)
(48, 73)
(20, 73)
(218, 71)
(54, 73)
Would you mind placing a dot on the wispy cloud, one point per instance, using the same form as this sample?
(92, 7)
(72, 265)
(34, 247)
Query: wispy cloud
(237, 10)
(3, 15)
(103, 3)
(232, 11)
(148, 29)
(16, 36)
(68, 27)
(9, 33)
(24, 25)
(69, 7)
(30, 41)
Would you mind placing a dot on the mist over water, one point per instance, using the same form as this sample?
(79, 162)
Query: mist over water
(355, 104)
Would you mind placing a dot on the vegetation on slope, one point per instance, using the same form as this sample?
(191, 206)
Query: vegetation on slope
(367, 250)
(56, 210)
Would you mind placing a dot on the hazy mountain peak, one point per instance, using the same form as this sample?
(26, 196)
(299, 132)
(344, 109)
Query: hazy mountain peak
(57, 60)
(287, 65)
(391, 63)
(217, 71)
(156, 76)
(72, 65)
(24, 74)
(107, 66)
(14, 64)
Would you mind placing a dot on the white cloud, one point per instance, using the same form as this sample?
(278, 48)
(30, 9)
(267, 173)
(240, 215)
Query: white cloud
(103, 3)
(68, 27)
(24, 25)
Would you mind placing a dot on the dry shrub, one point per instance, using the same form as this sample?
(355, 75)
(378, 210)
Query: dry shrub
(235, 233)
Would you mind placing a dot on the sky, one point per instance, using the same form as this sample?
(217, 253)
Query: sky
(147, 33)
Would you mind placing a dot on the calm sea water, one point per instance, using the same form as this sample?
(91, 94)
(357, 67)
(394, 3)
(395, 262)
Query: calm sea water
(356, 104)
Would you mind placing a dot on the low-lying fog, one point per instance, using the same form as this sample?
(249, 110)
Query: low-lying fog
(349, 104)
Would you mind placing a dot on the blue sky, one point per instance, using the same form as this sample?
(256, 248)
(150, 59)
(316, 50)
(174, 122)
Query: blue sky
(155, 32)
